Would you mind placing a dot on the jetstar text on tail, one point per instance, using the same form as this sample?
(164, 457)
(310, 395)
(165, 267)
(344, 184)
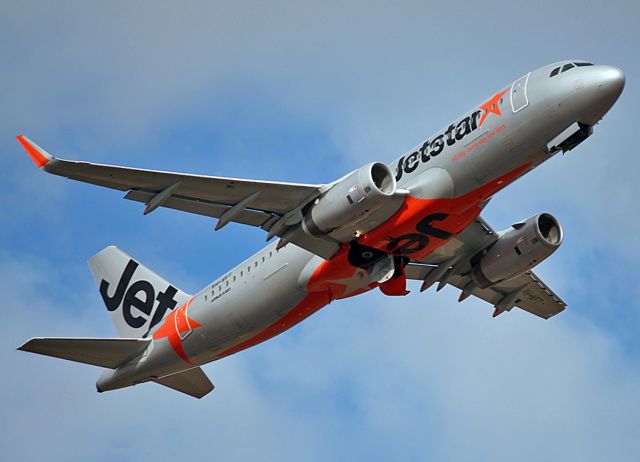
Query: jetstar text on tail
(126, 294)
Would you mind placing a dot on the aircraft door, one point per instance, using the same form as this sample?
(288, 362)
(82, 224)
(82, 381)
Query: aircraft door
(183, 327)
(519, 98)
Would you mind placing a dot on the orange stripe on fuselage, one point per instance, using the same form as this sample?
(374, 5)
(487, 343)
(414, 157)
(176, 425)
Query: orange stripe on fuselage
(324, 285)
(460, 212)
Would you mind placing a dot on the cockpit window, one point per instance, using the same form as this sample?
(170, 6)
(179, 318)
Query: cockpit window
(567, 67)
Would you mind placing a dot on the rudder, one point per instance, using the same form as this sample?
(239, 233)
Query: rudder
(137, 298)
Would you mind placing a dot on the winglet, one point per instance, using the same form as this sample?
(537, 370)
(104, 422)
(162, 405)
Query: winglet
(39, 156)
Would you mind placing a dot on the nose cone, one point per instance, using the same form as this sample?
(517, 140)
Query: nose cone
(603, 87)
(610, 82)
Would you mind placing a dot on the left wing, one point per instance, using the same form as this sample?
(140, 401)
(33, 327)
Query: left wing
(450, 264)
(272, 206)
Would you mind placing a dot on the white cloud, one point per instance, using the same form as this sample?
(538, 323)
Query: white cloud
(368, 378)
(373, 376)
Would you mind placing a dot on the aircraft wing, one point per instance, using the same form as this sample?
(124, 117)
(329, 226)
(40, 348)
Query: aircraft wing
(526, 291)
(272, 206)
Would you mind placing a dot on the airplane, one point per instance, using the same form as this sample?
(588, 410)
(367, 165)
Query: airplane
(417, 218)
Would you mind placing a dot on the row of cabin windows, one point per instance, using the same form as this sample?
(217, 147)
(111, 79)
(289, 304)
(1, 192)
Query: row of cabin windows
(567, 67)
(255, 265)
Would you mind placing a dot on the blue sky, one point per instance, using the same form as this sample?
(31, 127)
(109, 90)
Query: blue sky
(304, 93)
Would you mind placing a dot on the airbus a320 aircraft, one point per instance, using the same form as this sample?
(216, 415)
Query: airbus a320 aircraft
(416, 218)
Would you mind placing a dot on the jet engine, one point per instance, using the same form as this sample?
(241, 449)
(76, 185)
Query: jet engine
(517, 250)
(353, 197)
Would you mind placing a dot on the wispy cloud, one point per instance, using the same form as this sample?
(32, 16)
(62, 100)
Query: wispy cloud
(360, 379)
(300, 92)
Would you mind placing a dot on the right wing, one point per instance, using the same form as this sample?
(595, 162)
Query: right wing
(526, 292)
(272, 206)
(450, 264)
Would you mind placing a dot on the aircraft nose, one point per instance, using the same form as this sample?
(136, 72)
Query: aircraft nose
(605, 84)
(610, 82)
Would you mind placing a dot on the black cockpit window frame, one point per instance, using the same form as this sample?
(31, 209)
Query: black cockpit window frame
(567, 67)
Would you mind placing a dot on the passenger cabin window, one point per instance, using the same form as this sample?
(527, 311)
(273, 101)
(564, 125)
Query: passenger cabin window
(555, 72)
(566, 67)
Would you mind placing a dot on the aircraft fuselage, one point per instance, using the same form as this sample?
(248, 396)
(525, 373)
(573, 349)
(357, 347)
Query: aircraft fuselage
(450, 176)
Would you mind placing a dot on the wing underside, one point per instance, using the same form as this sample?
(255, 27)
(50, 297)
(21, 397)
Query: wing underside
(272, 206)
(278, 207)
(528, 291)
(451, 265)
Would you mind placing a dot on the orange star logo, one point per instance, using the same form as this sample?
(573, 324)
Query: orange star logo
(174, 325)
(349, 286)
(492, 106)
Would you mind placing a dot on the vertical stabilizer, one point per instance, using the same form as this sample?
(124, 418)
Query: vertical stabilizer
(136, 297)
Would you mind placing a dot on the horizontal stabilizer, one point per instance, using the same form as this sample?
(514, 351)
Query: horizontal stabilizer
(193, 382)
(104, 352)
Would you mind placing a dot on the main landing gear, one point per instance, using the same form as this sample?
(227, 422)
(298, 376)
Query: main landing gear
(383, 268)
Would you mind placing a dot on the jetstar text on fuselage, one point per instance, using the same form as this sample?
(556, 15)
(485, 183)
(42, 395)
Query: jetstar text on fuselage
(454, 133)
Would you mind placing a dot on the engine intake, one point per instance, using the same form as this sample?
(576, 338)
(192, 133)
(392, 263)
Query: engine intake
(518, 249)
(358, 194)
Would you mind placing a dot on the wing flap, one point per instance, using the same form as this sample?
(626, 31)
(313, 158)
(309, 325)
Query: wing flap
(533, 295)
(103, 352)
(202, 207)
(193, 382)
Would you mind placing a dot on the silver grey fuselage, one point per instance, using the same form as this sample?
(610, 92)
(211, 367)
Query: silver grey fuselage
(246, 305)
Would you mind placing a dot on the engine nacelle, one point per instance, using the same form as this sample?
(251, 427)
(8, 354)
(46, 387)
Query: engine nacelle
(518, 249)
(352, 198)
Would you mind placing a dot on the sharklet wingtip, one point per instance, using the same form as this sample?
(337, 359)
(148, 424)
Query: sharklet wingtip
(39, 156)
